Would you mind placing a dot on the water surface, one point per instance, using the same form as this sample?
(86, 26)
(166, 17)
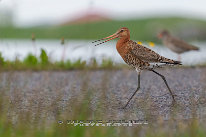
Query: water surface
(75, 49)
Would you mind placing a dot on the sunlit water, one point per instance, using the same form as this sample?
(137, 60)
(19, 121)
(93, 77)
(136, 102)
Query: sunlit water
(76, 49)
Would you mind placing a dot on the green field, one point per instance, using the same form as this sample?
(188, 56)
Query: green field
(141, 29)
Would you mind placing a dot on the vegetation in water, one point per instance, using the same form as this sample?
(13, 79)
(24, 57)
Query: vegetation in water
(32, 62)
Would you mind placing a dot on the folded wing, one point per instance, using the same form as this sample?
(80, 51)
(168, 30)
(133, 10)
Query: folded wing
(183, 45)
(148, 55)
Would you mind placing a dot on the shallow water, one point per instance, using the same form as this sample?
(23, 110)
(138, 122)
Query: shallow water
(86, 50)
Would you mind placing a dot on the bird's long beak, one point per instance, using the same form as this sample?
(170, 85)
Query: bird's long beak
(111, 37)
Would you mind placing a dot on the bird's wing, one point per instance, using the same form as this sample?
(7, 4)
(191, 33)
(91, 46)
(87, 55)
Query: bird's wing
(182, 44)
(147, 55)
(143, 53)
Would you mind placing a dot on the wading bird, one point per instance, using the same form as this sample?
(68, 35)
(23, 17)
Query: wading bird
(176, 45)
(138, 56)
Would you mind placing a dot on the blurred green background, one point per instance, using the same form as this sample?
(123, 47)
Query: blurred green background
(141, 29)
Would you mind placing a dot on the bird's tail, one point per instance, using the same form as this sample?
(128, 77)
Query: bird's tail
(194, 48)
(169, 61)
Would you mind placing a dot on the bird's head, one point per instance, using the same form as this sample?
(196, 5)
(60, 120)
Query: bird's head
(121, 33)
(163, 34)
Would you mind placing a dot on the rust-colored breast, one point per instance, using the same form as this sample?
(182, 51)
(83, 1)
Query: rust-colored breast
(124, 49)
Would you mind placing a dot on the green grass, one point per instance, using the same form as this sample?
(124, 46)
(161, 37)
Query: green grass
(31, 62)
(141, 29)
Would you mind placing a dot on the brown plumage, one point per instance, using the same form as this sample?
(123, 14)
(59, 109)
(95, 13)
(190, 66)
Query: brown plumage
(136, 55)
(176, 45)
(139, 56)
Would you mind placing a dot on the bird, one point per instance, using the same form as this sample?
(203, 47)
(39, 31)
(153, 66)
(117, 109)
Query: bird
(138, 56)
(176, 45)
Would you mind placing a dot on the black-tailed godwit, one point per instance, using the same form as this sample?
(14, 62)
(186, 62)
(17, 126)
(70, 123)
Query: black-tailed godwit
(138, 56)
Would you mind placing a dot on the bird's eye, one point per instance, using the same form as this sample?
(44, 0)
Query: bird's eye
(121, 30)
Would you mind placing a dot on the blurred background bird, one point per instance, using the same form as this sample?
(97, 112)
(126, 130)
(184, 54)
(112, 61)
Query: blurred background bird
(175, 44)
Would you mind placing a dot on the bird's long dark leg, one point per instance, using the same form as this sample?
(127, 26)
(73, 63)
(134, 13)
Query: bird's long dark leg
(136, 89)
(165, 83)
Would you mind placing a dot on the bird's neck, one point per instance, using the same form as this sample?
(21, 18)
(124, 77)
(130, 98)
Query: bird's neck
(123, 40)
(122, 45)
(165, 37)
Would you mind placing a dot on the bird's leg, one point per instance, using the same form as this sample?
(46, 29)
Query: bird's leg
(165, 83)
(138, 71)
(179, 57)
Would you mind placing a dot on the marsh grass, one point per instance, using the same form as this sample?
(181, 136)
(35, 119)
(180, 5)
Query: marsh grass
(35, 111)
(31, 62)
